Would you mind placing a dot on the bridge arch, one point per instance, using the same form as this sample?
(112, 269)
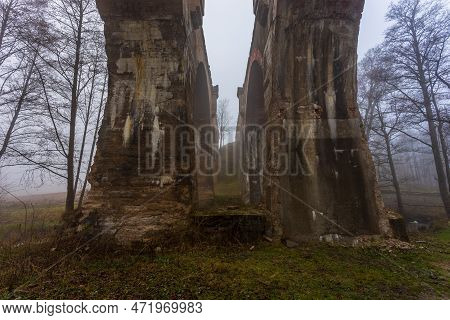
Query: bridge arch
(255, 118)
(204, 138)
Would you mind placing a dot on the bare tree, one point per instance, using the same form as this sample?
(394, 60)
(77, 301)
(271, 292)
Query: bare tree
(72, 82)
(93, 144)
(22, 33)
(442, 66)
(223, 120)
(371, 87)
(2, 190)
(388, 121)
(17, 101)
(440, 110)
(419, 34)
(382, 118)
(9, 16)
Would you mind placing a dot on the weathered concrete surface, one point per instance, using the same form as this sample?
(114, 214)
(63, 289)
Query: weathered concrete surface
(301, 88)
(302, 150)
(159, 79)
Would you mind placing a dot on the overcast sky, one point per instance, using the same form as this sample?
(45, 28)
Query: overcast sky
(228, 29)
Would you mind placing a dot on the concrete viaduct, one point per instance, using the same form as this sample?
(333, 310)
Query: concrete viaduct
(301, 150)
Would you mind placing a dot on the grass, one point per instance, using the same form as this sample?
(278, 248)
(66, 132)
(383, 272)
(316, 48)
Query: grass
(228, 201)
(265, 271)
(228, 205)
(228, 186)
(443, 236)
(424, 205)
(258, 271)
(38, 219)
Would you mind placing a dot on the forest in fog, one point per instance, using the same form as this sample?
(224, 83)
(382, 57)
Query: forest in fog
(404, 97)
(52, 90)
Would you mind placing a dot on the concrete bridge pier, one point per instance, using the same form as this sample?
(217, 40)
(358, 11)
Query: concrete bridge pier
(305, 157)
(160, 118)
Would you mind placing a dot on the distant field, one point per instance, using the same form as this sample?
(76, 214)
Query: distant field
(41, 214)
(44, 211)
(37, 200)
(424, 206)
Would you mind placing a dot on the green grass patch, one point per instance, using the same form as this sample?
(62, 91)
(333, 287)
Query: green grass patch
(267, 271)
(227, 200)
(228, 186)
(227, 205)
(443, 235)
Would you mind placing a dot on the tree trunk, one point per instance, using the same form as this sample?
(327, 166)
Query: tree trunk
(94, 141)
(444, 151)
(222, 137)
(395, 181)
(441, 175)
(368, 121)
(85, 131)
(5, 22)
(443, 80)
(443, 141)
(442, 180)
(70, 199)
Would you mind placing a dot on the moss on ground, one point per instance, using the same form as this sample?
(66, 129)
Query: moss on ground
(228, 206)
(443, 236)
(266, 271)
